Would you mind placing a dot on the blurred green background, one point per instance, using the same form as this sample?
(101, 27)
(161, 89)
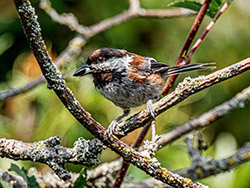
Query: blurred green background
(39, 114)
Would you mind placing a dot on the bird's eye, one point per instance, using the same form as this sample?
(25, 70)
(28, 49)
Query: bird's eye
(100, 58)
(152, 60)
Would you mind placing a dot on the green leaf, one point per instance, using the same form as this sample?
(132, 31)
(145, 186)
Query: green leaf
(192, 5)
(81, 181)
(161, 96)
(31, 181)
(214, 7)
(20, 172)
(5, 184)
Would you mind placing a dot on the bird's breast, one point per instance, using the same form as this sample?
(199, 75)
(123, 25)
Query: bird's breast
(128, 92)
(102, 79)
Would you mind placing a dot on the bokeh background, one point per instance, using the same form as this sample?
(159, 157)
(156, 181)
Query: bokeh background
(39, 114)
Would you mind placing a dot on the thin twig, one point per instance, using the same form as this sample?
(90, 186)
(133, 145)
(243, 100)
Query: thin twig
(71, 51)
(17, 91)
(134, 5)
(204, 34)
(194, 29)
(65, 19)
(166, 13)
(134, 11)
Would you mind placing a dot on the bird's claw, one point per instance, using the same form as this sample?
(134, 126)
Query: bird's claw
(111, 127)
(150, 109)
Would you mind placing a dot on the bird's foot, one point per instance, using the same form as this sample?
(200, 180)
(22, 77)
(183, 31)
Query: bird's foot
(150, 108)
(111, 127)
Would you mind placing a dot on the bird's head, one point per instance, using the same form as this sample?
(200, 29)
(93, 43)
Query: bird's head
(102, 60)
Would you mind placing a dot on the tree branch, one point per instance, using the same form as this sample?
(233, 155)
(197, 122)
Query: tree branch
(17, 91)
(125, 165)
(208, 167)
(54, 78)
(51, 153)
(104, 173)
(239, 101)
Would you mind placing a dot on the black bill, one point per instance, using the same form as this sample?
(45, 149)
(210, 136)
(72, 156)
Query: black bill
(82, 71)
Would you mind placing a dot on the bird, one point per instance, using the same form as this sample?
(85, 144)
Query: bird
(130, 80)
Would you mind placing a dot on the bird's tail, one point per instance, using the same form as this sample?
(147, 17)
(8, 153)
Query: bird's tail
(189, 67)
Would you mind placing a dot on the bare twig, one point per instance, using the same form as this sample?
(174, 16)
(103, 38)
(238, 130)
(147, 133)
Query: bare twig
(185, 58)
(71, 52)
(134, 5)
(166, 13)
(65, 19)
(193, 31)
(121, 175)
(54, 78)
(204, 34)
(134, 11)
(129, 14)
(17, 91)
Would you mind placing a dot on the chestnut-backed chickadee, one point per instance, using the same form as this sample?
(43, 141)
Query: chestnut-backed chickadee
(129, 80)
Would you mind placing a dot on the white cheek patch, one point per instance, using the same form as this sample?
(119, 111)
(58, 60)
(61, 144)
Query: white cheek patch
(117, 64)
(120, 64)
(101, 66)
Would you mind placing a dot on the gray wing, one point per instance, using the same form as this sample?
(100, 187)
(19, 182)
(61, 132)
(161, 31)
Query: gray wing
(157, 67)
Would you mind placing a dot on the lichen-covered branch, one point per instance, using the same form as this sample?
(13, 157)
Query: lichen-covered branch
(54, 78)
(51, 153)
(237, 102)
(125, 165)
(186, 88)
(203, 167)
